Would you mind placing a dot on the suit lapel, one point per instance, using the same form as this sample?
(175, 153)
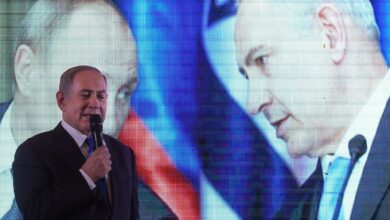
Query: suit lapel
(309, 196)
(113, 174)
(119, 186)
(67, 148)
(376, 176)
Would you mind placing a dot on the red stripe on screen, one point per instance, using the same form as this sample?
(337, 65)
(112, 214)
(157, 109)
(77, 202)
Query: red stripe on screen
(158, 171)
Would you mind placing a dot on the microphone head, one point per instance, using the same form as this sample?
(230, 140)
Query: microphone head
(95, 123)
(357, 146)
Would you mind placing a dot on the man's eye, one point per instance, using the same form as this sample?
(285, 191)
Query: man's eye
(124, 93)
(261, 61)
(84, 95)
(102, 96)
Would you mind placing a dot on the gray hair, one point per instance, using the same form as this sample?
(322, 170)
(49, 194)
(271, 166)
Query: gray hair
(360, 10)
(45, 17)
(67, 77)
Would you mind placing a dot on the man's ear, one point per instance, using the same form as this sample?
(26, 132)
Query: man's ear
(24, 69)
(335, 33)
(60, 100)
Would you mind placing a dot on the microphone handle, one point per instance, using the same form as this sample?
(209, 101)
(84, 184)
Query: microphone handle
(341, 195)
(98, 138)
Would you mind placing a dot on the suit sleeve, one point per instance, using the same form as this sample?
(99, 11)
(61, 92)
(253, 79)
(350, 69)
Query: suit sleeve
(39, 194)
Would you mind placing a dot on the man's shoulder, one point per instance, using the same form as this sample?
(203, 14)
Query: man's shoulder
(39, 142)
(34, 147)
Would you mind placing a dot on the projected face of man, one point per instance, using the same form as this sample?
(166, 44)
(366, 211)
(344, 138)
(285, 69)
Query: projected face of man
(293, 79)
(94, 35)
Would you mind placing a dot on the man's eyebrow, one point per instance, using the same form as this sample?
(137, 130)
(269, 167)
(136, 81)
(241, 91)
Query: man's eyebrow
(249, 57)
(85, 90)
(91, 91)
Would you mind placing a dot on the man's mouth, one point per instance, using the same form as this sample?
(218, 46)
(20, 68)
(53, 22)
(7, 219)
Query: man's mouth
(87, 115)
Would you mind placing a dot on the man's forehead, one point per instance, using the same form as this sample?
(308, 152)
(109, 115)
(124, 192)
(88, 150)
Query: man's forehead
(91, 44)
(90, 76)
(101, 11)
(256, 27)
(80, 87)
(268, 13)
(94, 33)
(264, 23)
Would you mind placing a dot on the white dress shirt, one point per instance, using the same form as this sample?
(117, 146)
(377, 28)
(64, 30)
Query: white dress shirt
(366, 124)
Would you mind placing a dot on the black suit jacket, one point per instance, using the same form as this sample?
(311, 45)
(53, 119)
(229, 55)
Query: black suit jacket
(372, 200)
(48, 184)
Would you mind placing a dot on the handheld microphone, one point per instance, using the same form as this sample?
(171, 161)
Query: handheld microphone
(96, 126)
(357, 147)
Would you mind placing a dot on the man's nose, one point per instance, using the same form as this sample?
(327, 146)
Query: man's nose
(93, 102)
(258, 96)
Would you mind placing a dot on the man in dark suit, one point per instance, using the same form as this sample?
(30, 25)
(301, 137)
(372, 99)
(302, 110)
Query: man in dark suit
(316, 71)
(52, 177)
(54, 36)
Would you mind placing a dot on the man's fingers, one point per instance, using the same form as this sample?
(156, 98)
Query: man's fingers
(98, 163)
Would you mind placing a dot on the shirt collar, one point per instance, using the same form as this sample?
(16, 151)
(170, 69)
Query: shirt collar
(76, 135)
(365, 123)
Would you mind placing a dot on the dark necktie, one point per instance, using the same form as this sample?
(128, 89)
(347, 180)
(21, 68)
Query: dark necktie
(101, 184)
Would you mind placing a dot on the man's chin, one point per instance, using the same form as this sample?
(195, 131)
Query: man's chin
(85, 128)
(86, 132)
(295, 155)
(300, 151)
(295, 150)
